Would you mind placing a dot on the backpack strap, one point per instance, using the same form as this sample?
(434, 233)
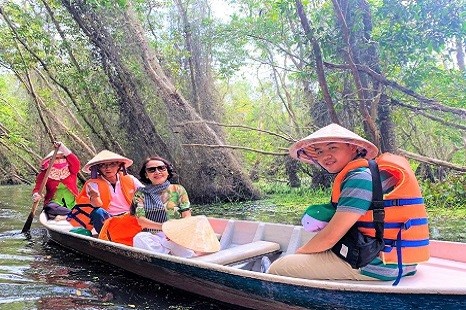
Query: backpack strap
(377, 205)
(379, 214)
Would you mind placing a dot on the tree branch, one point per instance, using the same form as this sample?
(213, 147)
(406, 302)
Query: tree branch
(287, 138)
(433, 104)
(319, 64)
(237, 148)
(355, 73)
(419, 111)
(431, 161)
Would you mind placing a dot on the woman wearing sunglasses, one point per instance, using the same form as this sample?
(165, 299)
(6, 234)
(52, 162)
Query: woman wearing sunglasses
(162, 200)
(162, 197)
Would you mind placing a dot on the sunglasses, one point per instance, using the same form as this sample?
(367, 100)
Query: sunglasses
(158, 168)
(109, 165)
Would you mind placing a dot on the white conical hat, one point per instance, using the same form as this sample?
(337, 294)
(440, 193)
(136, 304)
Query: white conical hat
(303, 149)
(51, 153)
(106, 156)
(192, 232)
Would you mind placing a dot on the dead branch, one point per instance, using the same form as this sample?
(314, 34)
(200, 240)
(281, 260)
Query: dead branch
(419, 111)
(431, 103)
(12, 175)
(237, 148)
(407, 154)
(25, 161)
(286, 138)
(431, 161)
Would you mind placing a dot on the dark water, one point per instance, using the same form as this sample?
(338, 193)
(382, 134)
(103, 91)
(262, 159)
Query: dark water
(35, 273)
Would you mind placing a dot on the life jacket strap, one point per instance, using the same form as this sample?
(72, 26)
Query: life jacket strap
(390, 243)
(399, 244)
(399, 259)
(403, 202)
(377, 205)
(78, 210)
(401, 225)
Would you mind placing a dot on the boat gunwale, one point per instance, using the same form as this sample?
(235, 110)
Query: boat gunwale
(372, 287)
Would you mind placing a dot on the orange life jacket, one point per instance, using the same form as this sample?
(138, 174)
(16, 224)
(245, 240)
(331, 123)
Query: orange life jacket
(80, 214)
(406, 231)
(120, 229)
(127, 187)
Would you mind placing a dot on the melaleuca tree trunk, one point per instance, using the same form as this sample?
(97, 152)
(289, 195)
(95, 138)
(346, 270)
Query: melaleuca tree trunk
(156, 116)
(355, 22)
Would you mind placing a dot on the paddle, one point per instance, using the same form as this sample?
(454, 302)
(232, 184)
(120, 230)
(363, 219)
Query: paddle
(27, 225)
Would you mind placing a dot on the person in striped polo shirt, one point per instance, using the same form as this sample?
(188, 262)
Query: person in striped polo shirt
(333, 148)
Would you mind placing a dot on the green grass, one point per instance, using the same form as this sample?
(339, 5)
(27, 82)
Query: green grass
(282, 195)
(452, 213)
(282, 204)
(446, 221)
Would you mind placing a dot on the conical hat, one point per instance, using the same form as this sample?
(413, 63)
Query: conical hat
(106, 156)
(44, 164)
(50, 155)
(192, 232)
(303, 149)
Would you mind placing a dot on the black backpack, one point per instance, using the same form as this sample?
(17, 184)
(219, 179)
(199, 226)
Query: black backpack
(356, 248)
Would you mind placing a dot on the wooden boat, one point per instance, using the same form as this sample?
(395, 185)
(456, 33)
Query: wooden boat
(232, 275)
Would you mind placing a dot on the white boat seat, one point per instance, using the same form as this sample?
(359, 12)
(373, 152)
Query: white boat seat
(240, 253)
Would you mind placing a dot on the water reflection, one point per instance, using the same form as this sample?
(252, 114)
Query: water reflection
(38, 274)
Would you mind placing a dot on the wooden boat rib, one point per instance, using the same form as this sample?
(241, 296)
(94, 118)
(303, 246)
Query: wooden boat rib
(232, 274)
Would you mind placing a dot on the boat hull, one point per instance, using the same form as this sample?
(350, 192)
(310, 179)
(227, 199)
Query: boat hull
(244, 288)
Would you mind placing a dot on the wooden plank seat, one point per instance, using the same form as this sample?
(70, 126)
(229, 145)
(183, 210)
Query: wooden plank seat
(241, 253)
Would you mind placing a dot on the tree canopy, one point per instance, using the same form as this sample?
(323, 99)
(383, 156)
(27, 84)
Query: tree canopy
(222, 88)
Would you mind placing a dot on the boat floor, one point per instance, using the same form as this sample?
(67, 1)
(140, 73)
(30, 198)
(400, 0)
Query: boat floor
(438, 275)
(450, 275)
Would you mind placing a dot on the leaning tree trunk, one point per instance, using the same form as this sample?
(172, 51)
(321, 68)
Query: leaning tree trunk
(207, 174)
(203, 96)
(141, 132)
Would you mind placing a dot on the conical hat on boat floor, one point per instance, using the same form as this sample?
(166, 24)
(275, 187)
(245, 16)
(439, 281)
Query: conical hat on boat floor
(192, 232)
(106, 156)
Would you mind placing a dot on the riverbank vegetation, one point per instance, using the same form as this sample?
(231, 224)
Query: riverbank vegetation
(283, 204)
(442, 199)
(223, 88)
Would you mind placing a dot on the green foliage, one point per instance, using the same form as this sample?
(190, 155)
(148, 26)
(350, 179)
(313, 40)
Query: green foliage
(12, 109)
(450, 194)
(108, 3)
(262, 62)
(428, 137)
(283, 195)
(412, 27)
(281, 204)
(255, 112)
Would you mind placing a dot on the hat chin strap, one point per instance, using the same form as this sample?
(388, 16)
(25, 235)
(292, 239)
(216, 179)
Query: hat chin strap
(361, 153)
(123, 169)
(94, 172)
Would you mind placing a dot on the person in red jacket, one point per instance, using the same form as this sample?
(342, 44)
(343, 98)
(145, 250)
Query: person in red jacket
(61, 186)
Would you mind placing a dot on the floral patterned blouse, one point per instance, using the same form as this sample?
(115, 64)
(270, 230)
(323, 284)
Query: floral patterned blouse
(174, 198)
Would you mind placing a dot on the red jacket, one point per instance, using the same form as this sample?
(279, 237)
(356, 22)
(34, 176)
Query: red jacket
(70, 182)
